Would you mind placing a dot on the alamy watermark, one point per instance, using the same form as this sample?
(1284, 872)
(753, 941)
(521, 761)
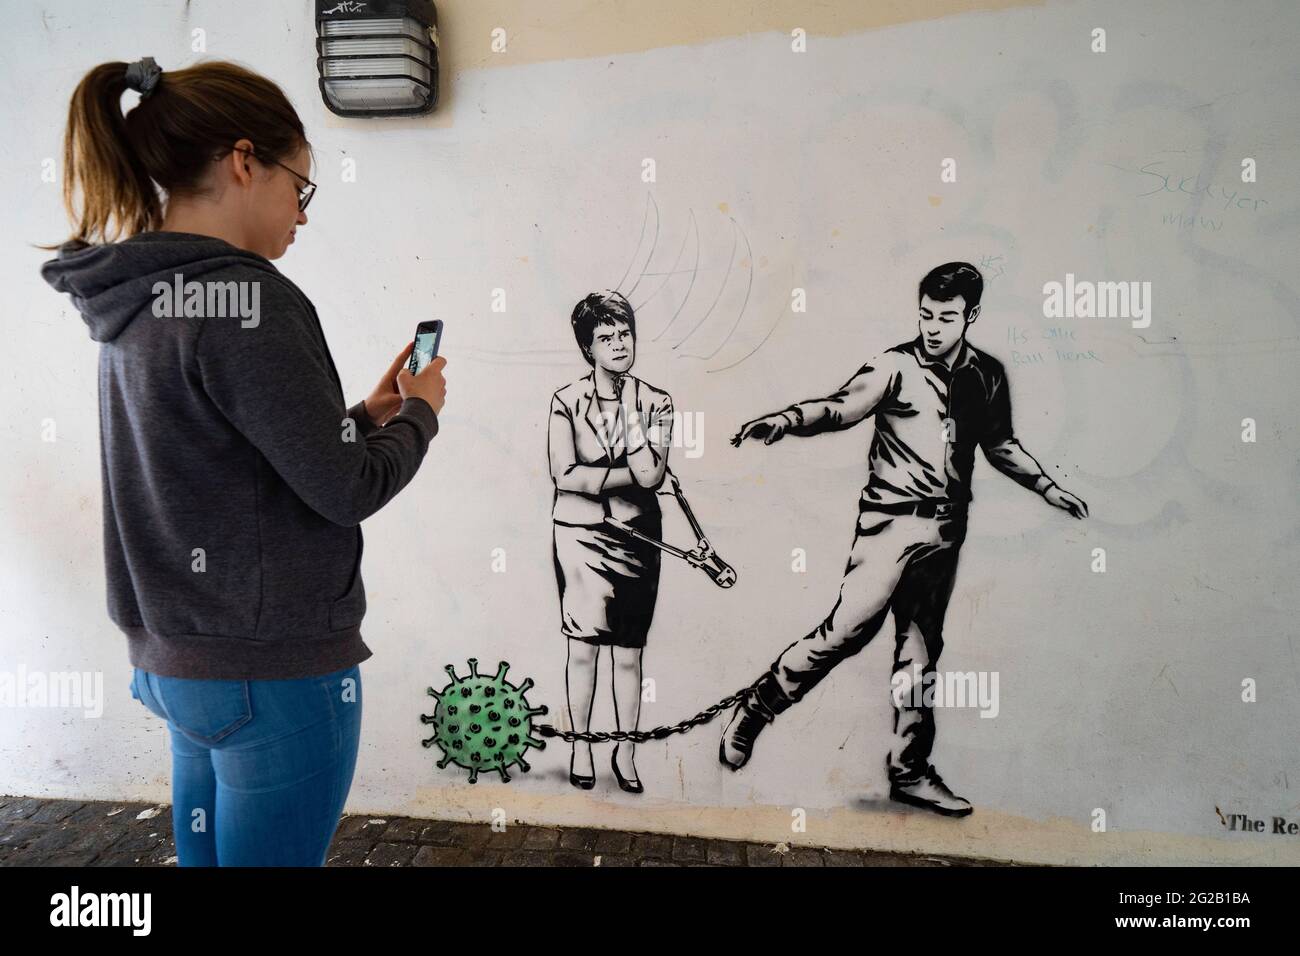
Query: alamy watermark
(75, 908)
(197, 300)
(74, 689)
(678, 430)
(979, 689)
(1085, 299)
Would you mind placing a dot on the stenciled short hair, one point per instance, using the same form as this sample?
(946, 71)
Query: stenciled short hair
(950, 280)
(599, 308)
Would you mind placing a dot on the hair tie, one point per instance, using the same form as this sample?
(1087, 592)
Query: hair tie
(142, 75)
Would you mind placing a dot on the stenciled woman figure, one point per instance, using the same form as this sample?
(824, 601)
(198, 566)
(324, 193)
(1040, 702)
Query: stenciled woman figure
(608, 445)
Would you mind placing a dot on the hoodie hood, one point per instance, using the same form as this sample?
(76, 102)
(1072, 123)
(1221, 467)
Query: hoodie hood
(111, 284)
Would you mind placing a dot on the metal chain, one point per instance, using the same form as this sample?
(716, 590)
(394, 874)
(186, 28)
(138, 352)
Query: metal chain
(641, 736)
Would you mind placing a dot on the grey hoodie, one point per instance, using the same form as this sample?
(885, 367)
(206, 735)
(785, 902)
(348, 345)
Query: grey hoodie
(235, 477)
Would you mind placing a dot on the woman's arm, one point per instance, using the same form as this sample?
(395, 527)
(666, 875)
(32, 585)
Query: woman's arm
(274, 385)
(619, 478)
(365, 424)
(566, 471)
(648, 441)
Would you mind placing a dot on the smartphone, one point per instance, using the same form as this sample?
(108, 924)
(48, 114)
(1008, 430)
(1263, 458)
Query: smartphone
(428, 336)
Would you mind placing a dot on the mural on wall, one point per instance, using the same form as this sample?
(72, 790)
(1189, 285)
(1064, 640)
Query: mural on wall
(934, 399)
(483, 723)
(608, 444)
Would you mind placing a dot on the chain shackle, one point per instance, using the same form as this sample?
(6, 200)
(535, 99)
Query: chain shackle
(641, 736)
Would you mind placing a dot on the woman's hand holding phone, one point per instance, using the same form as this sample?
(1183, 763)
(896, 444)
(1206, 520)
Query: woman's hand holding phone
(383, 403)
(428, 385)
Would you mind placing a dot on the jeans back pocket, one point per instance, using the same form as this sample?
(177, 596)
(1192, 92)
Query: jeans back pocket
(206, 711)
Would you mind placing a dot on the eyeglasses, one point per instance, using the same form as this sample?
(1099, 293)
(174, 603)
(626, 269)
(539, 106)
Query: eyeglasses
(304, 192)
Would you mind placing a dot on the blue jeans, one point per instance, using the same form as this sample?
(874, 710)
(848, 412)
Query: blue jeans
(260, 768)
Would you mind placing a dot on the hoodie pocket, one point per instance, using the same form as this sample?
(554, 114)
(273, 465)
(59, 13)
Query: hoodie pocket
(349, 610)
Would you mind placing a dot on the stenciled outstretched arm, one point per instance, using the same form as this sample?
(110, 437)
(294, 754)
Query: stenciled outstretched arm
(1005, 453)
(858, 398)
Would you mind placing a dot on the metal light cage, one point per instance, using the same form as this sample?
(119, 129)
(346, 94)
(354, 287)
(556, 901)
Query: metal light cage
(377, 57)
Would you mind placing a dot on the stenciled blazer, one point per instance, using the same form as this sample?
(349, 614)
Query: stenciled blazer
(581, 453)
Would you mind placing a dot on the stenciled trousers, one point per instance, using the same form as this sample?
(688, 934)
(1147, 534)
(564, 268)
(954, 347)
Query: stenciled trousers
(260, 768)
(903, 563)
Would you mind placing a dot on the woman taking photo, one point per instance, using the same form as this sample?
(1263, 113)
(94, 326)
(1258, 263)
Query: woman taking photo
(235, 477)
(608, 445)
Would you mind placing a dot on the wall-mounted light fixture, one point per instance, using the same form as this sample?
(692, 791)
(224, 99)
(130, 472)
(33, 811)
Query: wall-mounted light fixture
(377, 57)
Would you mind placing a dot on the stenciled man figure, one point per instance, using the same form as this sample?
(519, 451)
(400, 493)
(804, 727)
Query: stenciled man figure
(934, 400)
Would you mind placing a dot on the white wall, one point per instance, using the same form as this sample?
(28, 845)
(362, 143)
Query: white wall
(1119, 691)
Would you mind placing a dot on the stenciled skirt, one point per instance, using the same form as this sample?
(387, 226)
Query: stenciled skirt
(608, 581)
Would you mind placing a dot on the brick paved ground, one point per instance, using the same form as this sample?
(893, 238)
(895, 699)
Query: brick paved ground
(39, 832)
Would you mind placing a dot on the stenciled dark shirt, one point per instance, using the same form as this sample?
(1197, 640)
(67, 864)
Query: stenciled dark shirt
(929, 420)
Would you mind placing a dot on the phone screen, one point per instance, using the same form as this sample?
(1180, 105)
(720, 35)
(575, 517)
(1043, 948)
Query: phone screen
(426, 347)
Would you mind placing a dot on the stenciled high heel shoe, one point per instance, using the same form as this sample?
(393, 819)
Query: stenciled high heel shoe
(631, 786)
(585, 783)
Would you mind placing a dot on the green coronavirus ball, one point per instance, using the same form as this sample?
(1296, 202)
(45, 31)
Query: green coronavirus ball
(483, 723)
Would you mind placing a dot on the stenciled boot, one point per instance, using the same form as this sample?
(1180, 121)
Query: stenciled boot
(929, 792)
(749, 718)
